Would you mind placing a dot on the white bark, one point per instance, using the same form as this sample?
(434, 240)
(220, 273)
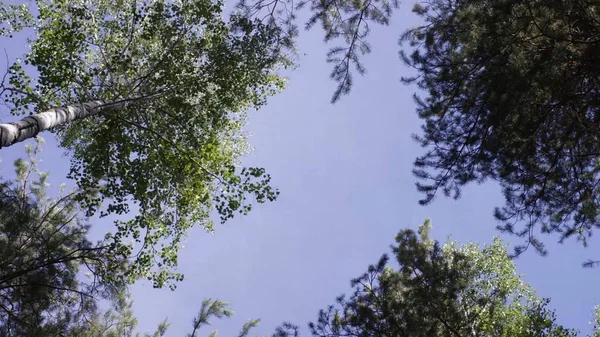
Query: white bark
(30, 126)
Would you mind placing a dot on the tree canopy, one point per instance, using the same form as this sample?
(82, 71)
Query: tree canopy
(171, 82)
(347, 23)
(120, 321)
(439, 290)
(54, 281)
(508, 92)
(429, 290)
(51, 275)
(155, 95)
(511, 95)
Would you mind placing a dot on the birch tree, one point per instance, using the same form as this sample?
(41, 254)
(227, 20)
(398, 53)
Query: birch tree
(149, 100)
(54, 280)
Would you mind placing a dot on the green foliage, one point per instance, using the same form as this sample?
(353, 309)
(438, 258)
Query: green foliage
(119, 321)
(510, 94)
(344, 21)
(53, 279)
(349, 21)
(217, 309)
(13, 18)
(596, 322)
(171, 153)
(51, 274)
(440, 290)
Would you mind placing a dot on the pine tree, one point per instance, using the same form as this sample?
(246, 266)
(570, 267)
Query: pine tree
(510, 94)
(438, 290)
(51, 275)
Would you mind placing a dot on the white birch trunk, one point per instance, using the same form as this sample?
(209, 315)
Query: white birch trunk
(30, 126)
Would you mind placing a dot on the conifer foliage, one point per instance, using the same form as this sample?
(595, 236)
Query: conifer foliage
(511, 94)
(439, 290)
(51, 274)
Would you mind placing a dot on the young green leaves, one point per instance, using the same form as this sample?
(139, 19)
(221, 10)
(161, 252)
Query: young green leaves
(166, 159)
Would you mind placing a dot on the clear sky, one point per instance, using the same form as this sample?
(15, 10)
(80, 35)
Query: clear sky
(344, 172)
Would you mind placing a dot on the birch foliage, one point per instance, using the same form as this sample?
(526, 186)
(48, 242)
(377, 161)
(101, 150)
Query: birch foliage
(171, 154)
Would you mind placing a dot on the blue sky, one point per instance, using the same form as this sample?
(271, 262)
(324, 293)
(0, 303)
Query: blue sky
(344, 171)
